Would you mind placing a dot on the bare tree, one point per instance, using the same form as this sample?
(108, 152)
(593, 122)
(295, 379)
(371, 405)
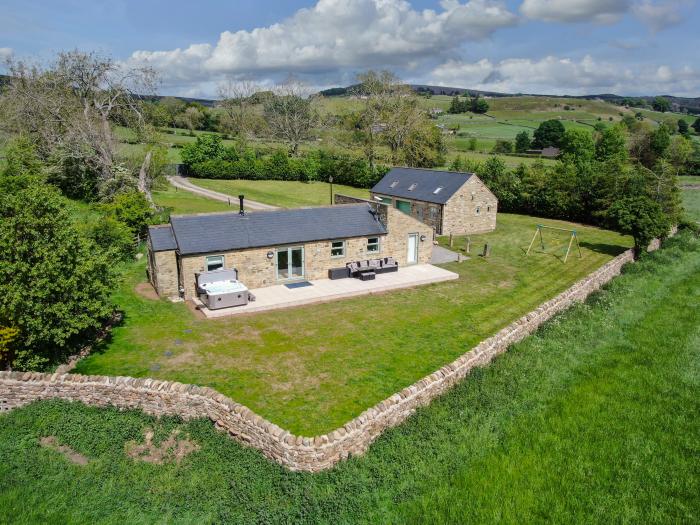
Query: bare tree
(235, 98)
(290, 114)
(378, 91)
(69, 107)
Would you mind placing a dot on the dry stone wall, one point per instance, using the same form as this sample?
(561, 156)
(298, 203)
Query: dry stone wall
(294, 452)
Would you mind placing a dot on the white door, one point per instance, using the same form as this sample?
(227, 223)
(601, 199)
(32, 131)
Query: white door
(412, 255)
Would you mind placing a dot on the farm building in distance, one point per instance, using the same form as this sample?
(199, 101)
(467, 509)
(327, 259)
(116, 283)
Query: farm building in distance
(449, 202)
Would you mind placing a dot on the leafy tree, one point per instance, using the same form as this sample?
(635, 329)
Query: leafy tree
(503, 146)
(522, 142)
(424, 147)
(549, 133)
(113, 237)
(640, 217)
(612, 144)
(22, 158)
(456, 106)
(661, 104)
(173, 107)
(696, 125)
(206, 147)
(54, 284)
(660, 140)
(479, 105)
(683, 127)
(133, 210)
(192, 118)
(577, 146)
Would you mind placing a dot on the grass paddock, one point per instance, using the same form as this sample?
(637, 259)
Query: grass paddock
(311, 369)
(592, 419)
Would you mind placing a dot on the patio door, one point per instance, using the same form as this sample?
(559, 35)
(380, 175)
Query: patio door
(412, 255)
(290, 263)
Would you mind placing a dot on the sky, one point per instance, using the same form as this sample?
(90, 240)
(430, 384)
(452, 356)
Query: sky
(627, 47)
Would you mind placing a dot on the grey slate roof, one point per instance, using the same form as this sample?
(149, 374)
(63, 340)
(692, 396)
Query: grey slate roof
(162, 238)
(426, 181)
(220, 232)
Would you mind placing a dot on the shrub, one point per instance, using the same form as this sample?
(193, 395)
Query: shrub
(113, 237)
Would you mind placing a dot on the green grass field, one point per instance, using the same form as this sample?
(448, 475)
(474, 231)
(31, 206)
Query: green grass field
(593, 419)
(334, 360)
(691, 203)
(182, 202)
(286, 194)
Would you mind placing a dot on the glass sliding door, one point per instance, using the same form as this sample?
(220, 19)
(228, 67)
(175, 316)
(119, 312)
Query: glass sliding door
(290, 263)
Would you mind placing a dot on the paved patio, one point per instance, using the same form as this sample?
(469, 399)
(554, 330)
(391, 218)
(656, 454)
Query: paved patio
(279, 296)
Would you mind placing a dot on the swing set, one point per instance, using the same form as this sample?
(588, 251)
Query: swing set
(573, 237)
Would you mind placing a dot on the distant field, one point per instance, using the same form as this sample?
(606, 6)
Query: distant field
(691, 203)
(286, 194)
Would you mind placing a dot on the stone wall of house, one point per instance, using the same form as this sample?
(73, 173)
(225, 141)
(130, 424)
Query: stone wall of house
(256, 270)
(399, 225)
(311, 454)
(472, 209)
(426, 212)
(162, 272)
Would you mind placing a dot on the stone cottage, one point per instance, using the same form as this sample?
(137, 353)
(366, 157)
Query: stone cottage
(281, 246)
(447, 201)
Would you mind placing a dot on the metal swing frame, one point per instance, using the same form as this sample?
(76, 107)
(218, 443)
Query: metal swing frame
(572, 238)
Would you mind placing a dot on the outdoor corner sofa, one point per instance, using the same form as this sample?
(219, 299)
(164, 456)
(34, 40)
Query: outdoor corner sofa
(365, 270)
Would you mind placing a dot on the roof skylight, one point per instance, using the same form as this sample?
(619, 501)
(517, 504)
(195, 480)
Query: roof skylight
(393, 184)
(438, 190)
(412, 187)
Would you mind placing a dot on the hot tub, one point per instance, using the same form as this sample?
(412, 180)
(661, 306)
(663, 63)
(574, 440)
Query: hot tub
(222, 289)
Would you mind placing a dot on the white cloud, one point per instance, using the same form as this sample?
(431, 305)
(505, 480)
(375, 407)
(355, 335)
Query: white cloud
(5, 53)
(660, 15)
(597, 11)
(336, 34)
(554, 75)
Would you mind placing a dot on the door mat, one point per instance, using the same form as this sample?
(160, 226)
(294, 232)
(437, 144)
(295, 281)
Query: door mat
(301, 284)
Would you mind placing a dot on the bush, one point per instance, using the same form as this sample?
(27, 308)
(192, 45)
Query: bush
(133, 209)
(319, 165)
(113, 237)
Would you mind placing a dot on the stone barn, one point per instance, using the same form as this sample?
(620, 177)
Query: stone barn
(449, 202)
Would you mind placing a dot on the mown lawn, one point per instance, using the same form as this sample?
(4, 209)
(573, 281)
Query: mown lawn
(286, 194)
(593, 419)
(311, 369)
(179, 201)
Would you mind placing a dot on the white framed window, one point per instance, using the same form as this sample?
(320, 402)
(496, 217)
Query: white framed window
(338, 249)
(373, 245)
(215, 262)
(478, 210)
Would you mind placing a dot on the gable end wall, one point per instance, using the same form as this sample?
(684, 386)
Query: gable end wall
(459, 214)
